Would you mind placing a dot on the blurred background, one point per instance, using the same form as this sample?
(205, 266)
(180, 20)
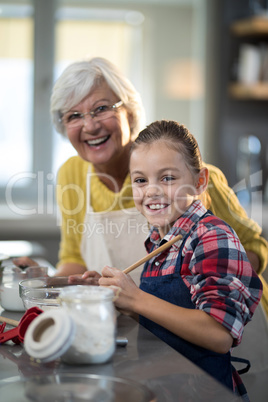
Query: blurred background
(203, 63)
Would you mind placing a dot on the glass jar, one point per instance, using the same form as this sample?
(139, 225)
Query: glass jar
(82, 331)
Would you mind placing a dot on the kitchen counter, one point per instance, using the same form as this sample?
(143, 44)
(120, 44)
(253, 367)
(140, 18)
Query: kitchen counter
(146, 360)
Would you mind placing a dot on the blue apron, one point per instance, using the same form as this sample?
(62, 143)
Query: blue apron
(171, 288)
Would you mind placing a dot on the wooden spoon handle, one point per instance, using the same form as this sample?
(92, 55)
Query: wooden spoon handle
(9, 321)
(152, 254)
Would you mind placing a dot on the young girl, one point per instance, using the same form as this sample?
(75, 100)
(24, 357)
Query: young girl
(198, 295)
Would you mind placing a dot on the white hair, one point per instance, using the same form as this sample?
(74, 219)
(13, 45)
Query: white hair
(78, 79)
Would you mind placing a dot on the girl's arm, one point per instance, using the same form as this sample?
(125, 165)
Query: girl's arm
(194, 326)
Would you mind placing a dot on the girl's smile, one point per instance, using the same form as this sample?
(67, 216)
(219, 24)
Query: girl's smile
(163, 185)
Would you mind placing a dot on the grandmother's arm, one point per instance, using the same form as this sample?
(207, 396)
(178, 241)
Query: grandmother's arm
(70, 268)
(225, 205)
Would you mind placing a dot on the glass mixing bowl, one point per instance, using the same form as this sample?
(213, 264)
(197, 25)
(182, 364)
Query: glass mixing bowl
(42, 292)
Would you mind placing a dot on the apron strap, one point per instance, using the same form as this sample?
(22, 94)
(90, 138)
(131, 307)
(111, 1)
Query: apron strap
(241, 360)
(180, 257)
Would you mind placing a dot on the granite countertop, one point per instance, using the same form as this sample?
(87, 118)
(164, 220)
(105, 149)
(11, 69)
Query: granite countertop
(146, 360)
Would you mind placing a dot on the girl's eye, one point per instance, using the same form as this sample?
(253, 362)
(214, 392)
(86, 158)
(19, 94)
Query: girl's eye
(168, 178)
(139, 181)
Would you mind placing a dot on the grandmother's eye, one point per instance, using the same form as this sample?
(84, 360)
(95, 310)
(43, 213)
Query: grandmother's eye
(101, 109)
(73, 116)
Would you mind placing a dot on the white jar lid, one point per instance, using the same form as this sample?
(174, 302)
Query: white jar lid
(49, 335)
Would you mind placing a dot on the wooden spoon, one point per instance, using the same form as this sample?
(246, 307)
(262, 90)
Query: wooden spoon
(152, 254)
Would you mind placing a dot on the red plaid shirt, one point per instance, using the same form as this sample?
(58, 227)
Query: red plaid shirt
(215, 268)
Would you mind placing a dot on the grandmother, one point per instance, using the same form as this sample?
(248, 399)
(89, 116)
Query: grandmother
(101, 113)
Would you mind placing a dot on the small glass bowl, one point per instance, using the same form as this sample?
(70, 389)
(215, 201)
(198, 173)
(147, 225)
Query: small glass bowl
(42, 292)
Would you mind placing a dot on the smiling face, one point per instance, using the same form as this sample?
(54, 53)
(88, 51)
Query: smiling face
(163, 186)
(104, 143)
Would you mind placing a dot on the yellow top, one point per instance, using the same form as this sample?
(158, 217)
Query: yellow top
(71, 197)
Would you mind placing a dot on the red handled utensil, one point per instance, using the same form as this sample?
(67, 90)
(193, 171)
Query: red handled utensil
(17, 334)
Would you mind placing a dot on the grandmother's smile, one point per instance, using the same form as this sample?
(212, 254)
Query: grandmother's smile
(98, 141)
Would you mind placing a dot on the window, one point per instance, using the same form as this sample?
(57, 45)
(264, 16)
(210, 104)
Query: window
(41, 39)
(16, 83)
(76, 38)
(164, 57)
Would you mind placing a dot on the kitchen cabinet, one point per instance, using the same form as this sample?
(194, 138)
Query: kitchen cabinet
(242, 119)
(258, 91)
(254, 26)
(253, 31)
